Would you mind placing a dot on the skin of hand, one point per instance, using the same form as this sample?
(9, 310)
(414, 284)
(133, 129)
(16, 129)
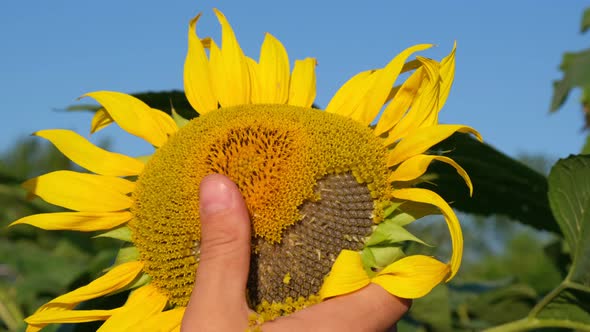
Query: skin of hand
(218, 301)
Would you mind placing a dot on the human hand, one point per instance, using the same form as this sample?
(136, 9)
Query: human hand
(218, 301)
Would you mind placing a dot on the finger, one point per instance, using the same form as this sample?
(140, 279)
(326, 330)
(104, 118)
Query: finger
(218, 301)
(369, 309)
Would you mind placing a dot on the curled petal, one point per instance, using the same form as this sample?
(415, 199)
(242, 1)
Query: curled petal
(401, 102)
(346, 276)
(447, 75)
(82, 152)
(412, 277)
(370, 96)
(420, 140)
(100, 120)
(424, 109)
(429, 197)
(82, 192)
(416, 166)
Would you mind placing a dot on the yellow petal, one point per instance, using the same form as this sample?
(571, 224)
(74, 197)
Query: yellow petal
(400, 103)
(76, 221)
(429, 197)
(100, 120)
(114, 280)
(198, 86)
(35, 328)
(416, 166)
(302, 88)
(255, 81)
(216, 69)
(142, 304)
(368, 100)
(351, 93)
(346, 276)
(376, 97)
(420, 140)
(135, 117)
(89, 156)
(163, 322)
(412, 277)
(424, 108)
(273, 71)
(82, 192)
(233, 68)
(447, 75)
(69, 316)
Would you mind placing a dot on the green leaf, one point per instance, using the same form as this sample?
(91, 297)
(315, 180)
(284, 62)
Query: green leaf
(389, 232)
(376, 258)
(568, 305)
(502, 305)
(585, 21)
(127, 254)
(180, 121)
(569, 197)
(122, 233)
(576, 73)
(501, 185)
(586, 148)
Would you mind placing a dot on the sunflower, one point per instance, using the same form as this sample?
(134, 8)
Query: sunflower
(329, 191)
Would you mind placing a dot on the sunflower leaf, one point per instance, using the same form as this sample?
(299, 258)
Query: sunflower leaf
(502, 185)
(568, 305)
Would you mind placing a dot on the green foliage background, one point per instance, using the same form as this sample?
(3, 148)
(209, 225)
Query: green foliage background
(527, 232)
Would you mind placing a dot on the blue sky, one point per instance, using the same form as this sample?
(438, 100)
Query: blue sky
(508, 55)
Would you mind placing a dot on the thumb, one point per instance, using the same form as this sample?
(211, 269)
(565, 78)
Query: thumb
(218, 301)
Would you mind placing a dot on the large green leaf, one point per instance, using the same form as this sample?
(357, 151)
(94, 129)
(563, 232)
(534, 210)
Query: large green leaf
(568, 305)
(502, 185)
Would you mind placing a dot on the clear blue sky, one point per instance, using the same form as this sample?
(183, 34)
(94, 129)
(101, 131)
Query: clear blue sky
(508, 55)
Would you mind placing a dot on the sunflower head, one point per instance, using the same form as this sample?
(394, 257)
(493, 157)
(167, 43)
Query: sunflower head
(328, 191)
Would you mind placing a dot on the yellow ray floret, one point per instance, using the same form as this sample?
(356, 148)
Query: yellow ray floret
(416, 166)
(302, 87)
(429, 197)
(82, 192)
(142, 304)
(59, 310)
(410, 277)
(89, 156)
(76, 221)
(422, 139)
(135, 117)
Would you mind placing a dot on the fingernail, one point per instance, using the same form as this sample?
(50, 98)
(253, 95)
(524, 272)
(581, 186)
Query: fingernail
(215, 195)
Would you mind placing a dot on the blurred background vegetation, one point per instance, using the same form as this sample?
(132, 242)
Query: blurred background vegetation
(520, 272)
